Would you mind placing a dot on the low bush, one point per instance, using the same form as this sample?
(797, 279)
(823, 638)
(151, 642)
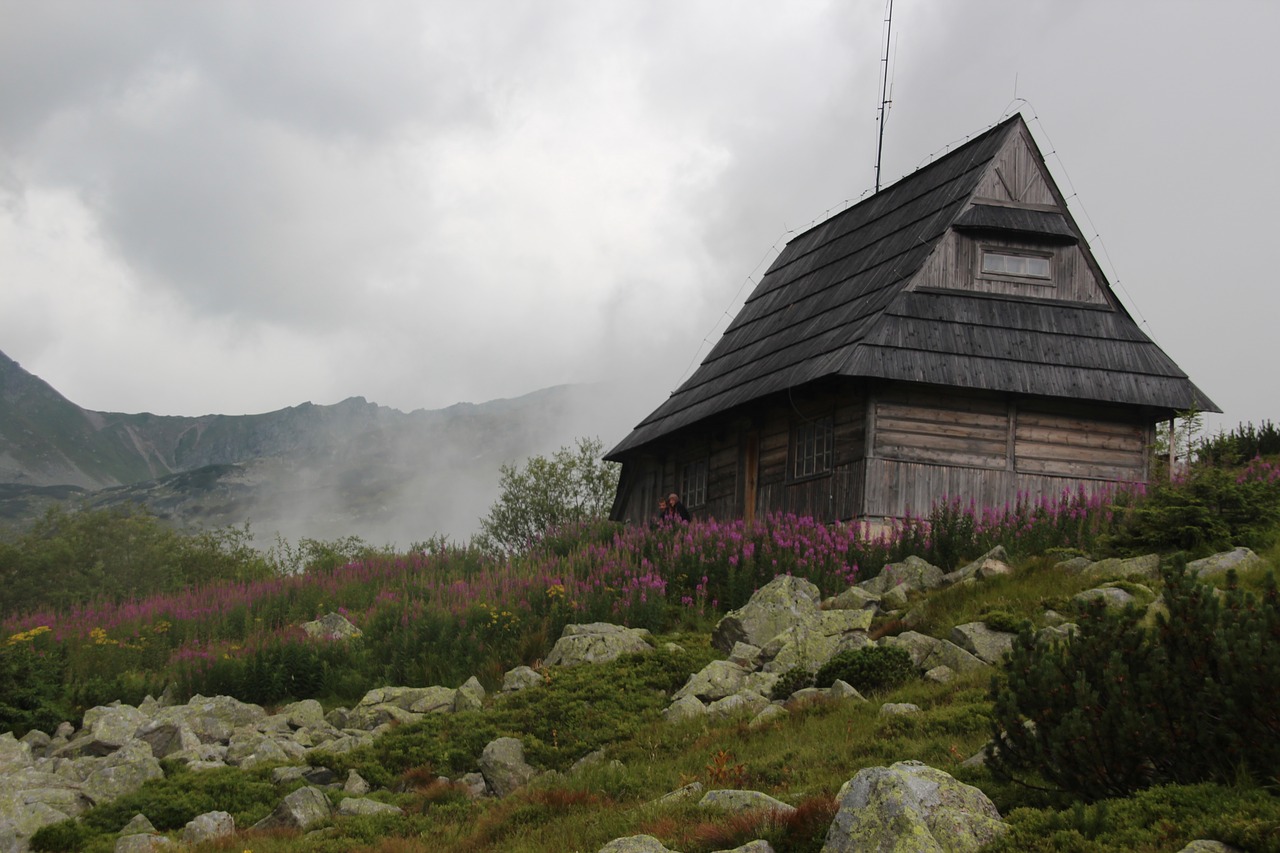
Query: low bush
(796, 678)
(868, 669)
(1120, 707)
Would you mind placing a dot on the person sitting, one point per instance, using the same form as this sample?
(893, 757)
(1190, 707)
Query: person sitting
(673, 509)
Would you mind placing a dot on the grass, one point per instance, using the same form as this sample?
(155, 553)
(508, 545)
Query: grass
(801, 759)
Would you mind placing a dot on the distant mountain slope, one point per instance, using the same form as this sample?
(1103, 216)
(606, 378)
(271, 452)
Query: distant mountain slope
(354, 468)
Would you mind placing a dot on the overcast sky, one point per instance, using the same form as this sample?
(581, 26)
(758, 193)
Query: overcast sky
(236, 207)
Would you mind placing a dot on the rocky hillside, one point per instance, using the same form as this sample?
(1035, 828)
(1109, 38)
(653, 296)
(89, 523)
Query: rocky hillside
(354, 468)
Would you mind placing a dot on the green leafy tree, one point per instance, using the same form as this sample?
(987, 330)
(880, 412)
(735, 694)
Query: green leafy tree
(572, 486)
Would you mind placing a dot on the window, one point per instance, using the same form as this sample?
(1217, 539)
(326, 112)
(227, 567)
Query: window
(693, 483)
(1023, 266)
(811, 446)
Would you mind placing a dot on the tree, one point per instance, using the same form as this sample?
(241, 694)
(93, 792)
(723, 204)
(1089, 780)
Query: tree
(574, 485)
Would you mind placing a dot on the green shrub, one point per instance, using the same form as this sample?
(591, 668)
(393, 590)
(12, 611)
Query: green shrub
(1002, 620)
(63, 835)
(796, 678)
(1118, 707)
(868, 669)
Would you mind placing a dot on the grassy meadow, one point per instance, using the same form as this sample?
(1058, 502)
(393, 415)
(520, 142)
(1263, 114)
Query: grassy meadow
(214, 617)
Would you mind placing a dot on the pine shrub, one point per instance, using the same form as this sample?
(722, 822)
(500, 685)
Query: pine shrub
(1120, 707)
(796, 678)
(868, 669)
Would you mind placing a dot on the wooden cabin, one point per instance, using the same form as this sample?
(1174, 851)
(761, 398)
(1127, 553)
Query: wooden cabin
(950, 337)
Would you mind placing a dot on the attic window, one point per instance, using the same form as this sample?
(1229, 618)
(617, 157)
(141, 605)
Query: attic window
(1021, 266)
(811, 446)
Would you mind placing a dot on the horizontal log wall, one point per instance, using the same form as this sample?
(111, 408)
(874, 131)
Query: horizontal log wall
(943, 429)
(1069, 445)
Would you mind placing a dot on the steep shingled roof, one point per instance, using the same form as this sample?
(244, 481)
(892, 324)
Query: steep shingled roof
(835, 302)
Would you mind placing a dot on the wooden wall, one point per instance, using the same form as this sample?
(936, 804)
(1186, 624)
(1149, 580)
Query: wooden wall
(898, 451)
(955, 264)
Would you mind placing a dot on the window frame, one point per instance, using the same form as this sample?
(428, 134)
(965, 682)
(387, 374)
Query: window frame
(1007, 252)
(694, 477)
(811, 448)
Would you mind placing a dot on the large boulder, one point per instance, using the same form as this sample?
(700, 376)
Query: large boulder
(597, 642)
(982, 642)
(122, 772)
(716, 680)
(503, 766)
(730, 800)
(928, 652)
(521, 678)
(470, 696)
(208, 826)
(912, 574)
(304, 809)
(1241, 559)
(331, 626)
(1147, 566)
(911, 807)
(775, 607)
(636, 844)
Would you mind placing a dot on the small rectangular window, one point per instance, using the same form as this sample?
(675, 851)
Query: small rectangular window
(693, 483)
(812, 443)
(1025, 266)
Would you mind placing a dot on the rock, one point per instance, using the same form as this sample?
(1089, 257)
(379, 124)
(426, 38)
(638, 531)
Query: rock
(248, 749)
(137, 824)
(303, 809)
(1135, 567)
(685, 708)
(994, 562)
(435, 700)
(207, 827)
(636, 844)
(167, 737)
(362, 806)
(911, 806)
(802, 645)
(768, 714)
(14, 754)
(143, 842)
(716, 680)
(734, 801)
(805, 696)
(1112, 598)
(759, 846)
(520, 678)
(842, 690)
(1241, 559)
(331, 626)
(745, 655)
(597, 642)
(355, 786)
(1056, 633)
(776, 606)
(307, 714)
(853, 598)
(681, 795)
(503, 766)
(1201, 845)
(897, 709)
(982, 642)
(912, 574)
(927, 652)
(470, 696)
(940, 674)
(835, 623)
(122, 772)
(745, 702)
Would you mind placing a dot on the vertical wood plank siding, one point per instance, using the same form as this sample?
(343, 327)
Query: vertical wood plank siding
(955, 265)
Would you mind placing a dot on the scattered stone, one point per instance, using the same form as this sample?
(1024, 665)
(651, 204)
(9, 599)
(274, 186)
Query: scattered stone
(1147, 566)
(684, 708)
(503, 766)
(208, 826)
(597, 642)
(894, 709)
(744, 702)
(767, 715)
(470, 696)
(143, 842)
(351, 806)
(137, 824)
(994, 562)
(636, 844)
(940, 674)
(1241, 559)
(734, 801)
(521, 678)
(853, 598)
(355, 786)
(775, 607)
(716, 680)
(911, 806)
(1202, 845)
(304, 809)
(927, 652)
(1112, 598)
(681, 795)
(331, 626)
(983, 643)
(843, 690)
(912, 574)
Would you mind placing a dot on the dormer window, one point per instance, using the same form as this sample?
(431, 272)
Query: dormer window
(1018, 265)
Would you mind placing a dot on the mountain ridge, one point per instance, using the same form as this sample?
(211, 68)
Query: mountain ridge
(306, 470)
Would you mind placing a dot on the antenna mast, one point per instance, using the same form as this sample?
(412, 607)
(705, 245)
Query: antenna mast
(884, 88)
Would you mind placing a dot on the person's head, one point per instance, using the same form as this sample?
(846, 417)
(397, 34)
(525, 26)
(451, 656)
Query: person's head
(673, 499)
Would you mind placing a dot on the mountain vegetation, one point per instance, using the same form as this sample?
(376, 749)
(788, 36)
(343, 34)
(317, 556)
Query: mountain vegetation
(1151, 727)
